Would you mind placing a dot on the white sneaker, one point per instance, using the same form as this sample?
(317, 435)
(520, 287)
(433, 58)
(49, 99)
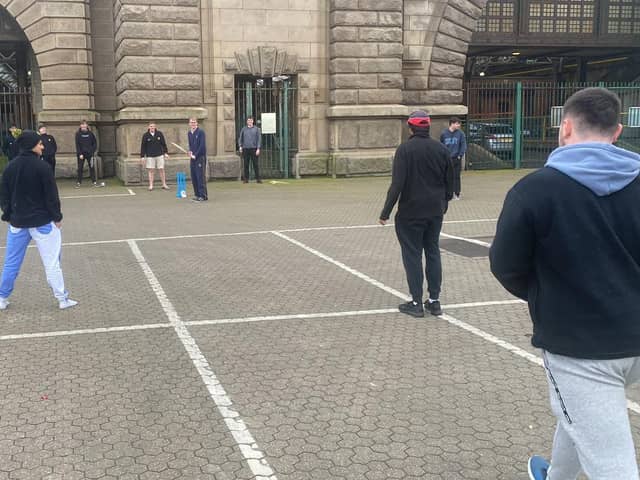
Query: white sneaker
(4, 303)
(68, 303)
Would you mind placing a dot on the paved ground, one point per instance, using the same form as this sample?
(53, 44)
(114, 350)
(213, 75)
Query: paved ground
(256, 336)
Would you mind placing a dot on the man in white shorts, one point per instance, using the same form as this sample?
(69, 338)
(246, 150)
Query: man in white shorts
(153, 153)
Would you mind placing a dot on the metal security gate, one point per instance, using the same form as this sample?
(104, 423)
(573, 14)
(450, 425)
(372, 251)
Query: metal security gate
(514, 124)
(266, 100)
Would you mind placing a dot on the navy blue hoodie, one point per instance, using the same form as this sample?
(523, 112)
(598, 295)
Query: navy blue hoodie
(568, 242)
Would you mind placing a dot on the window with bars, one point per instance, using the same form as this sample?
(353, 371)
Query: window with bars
(497, 17)
(623, 17)
(567, 16)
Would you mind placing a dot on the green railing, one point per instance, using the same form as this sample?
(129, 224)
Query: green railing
(514, 124)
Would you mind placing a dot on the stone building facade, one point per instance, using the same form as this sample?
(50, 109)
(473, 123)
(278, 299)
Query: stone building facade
(358, 67)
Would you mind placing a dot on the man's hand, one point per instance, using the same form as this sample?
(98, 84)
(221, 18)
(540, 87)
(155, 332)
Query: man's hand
(240, 149)
(257, 151)
(58, 224)
(81, 157)
(382, 221)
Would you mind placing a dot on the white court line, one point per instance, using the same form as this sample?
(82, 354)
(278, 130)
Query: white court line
(352, 271)
(99, 196)
(64, 333)
(464, 239)
(249, 449)
(257, 232)
(633, 406)
(223, 321)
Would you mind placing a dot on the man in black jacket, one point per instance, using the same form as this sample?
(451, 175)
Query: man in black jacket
(50, 148)
(86, 146)
(153, 151)
(568, 243)
(30, 203)
(422, 177)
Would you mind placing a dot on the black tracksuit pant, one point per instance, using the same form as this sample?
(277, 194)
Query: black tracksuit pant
(92, 167)
(51, 160)
(416, 236)
(249, 156)
(457, 169)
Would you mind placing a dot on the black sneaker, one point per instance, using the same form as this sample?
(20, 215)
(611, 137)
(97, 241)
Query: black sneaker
(412, 308)
(433, 307)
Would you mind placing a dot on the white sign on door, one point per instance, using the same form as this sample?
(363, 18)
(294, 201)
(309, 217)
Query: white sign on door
(268, 122)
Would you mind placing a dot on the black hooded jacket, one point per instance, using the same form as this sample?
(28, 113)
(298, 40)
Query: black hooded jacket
(422, 176)
(28, 192)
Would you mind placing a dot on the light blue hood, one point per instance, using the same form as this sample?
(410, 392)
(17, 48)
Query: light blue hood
(601, 167)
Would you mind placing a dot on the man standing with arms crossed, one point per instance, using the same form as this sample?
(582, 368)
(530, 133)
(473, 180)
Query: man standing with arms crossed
(422, 179)
(453, 138)
(30, 203)
(249, 144)
(568, 243)
(198, 157)
(153, 151)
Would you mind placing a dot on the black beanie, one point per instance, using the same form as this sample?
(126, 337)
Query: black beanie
(27, 140)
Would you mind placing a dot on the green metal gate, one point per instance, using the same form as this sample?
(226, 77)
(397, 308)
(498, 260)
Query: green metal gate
(514, 124)
(258, 97)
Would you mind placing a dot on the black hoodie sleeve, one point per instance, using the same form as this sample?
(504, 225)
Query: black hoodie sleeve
(143, 146)
(51, 198)
(163, 142)
(5, 197)
(94, 143)
(511, 253)
(398, 179)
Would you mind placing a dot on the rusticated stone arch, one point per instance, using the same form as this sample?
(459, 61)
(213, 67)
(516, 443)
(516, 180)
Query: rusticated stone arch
(437, 35)
(59, 35)
(449, 52)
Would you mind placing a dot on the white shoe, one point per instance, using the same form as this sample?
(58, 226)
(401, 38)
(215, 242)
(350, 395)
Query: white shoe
(68, 303)
(4, 303)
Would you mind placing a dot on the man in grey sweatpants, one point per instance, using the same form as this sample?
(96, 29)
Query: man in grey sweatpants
(568, 242)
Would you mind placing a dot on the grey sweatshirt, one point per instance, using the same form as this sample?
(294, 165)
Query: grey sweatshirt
(249, 137)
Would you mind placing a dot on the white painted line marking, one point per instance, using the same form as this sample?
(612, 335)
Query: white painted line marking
(464, 239)
(131, 192)
(97, 196)
(64, 333)
(223, 321)
(300, 316)
(254, 457)
(352, 271)
(458, 323)
(254, 232)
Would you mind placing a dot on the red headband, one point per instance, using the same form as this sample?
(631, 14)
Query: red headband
(420, 122)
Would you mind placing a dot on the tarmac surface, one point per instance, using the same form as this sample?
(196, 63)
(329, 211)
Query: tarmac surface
(256, 335)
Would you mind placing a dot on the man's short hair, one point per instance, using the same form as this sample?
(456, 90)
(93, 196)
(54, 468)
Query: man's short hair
(453, 120)
(595, 110)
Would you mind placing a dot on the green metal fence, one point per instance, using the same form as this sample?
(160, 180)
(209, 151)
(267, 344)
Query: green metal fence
(266, 98)
(514, 124)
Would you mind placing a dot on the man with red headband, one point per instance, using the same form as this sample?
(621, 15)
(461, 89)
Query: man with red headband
(422, 177)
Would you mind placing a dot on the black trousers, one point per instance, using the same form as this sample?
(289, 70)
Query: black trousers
(51, 160)
(457, 168)
(416, 236)
(249, 155)
(92, 168)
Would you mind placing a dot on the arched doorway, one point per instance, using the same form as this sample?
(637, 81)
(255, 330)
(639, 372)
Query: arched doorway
(19, 76)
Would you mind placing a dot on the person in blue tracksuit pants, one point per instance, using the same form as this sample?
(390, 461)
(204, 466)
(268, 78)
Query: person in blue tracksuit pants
(198, 157)
(30, 203)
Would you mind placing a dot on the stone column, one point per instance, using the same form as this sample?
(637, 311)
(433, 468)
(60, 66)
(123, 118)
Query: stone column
(159, 78)
(365, 84)
(60, 38)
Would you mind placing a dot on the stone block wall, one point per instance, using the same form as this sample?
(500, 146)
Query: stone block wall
(158, 53)
(262, 39)
(365, 52)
